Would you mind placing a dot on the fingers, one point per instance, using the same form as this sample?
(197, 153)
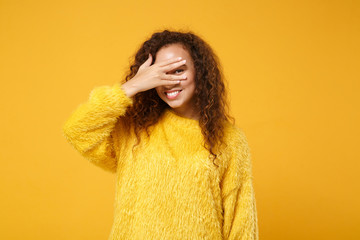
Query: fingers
(172, 60)
(169, 82)
(147, 62)
(173, 66)
(173, 77)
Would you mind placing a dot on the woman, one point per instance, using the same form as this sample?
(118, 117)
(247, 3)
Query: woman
(183, 170)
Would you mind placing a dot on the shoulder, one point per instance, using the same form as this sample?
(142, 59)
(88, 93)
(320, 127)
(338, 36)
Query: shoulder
(234, 135)
(237, 150)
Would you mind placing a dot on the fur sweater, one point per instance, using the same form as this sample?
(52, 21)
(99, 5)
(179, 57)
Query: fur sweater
(168, 187)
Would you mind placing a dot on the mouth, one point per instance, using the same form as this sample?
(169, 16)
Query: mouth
(172, 94)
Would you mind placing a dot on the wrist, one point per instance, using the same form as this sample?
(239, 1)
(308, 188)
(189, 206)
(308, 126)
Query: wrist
(129, 89)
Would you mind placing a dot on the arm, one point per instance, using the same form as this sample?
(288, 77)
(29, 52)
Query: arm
(91, 127)
(238, 196)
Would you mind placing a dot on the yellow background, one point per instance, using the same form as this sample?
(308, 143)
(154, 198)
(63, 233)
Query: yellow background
(293, 73)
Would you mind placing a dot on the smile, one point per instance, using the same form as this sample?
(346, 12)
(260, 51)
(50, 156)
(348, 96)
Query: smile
(172, 95)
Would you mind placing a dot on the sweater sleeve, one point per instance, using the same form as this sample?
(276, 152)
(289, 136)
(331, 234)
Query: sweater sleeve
(238, 196)
(91, 127)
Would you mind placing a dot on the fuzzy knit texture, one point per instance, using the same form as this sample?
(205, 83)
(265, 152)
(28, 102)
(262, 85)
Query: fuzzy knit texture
(168, 188)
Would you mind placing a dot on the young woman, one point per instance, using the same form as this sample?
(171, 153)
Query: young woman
(183, 170)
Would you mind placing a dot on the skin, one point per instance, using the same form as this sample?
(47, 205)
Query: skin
(183, 104)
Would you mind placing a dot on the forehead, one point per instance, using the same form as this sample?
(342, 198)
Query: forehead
(172, 51)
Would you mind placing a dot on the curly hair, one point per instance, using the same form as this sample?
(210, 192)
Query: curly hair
(210, 91)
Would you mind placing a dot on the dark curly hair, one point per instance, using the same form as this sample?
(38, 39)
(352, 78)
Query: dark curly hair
(210, 91)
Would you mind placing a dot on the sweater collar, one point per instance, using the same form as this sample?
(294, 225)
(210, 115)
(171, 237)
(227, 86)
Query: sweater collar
(180, 121)
(181, 132)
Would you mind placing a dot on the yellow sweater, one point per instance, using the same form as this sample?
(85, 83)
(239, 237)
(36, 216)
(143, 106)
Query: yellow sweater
(169, 188)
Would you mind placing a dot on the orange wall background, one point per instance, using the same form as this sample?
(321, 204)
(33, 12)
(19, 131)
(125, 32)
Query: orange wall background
(293, 74)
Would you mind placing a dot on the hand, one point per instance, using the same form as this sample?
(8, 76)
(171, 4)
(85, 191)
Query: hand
(151, 76)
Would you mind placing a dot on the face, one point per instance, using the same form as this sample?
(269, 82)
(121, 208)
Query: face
(183, 102)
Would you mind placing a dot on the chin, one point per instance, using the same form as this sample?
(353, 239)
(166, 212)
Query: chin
(173, 105)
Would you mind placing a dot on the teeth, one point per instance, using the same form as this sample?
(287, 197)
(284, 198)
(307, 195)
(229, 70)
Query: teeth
(173, 93)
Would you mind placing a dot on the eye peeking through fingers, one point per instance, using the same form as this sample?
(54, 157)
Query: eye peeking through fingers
(180, 70)
(177, 71)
